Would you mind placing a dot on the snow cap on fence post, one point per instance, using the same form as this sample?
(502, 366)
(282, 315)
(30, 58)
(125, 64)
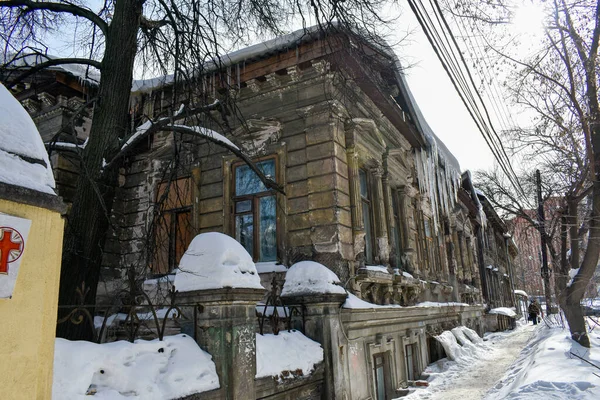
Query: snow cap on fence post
(217, 290)
(319, 291)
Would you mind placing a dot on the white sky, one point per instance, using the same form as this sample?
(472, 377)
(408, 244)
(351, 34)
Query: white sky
(438, 100)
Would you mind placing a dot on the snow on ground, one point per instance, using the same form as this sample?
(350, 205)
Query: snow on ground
(143, 370)
(476, 365)
(545, 369)
(301, 355)
(23, 158)
(214, 261)
(309, 277)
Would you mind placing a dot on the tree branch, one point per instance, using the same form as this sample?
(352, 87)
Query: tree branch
(60, 8)
(269, 183)
(52, 62)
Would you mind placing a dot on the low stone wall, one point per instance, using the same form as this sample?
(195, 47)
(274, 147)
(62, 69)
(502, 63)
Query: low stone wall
(398, 336)
(306, 388)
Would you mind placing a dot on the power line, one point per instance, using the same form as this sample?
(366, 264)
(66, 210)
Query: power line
(445, 46)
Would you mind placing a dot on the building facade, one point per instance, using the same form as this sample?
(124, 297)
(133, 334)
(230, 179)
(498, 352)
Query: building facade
(366, 189)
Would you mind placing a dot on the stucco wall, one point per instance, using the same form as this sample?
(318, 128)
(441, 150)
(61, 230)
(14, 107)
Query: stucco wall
(28, 319)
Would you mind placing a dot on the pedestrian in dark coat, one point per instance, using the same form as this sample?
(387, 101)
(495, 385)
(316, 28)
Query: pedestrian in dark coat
(534, 311)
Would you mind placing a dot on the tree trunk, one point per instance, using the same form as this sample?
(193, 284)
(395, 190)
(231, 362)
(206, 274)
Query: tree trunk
(89, 216)
(574, 293)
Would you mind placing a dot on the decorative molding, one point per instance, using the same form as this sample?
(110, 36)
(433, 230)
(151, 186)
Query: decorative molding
(254, 85)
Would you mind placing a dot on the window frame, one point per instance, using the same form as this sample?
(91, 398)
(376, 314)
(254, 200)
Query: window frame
(370, 232)
(255, 208)
(172, 230)
(398, 230)
(385, 367)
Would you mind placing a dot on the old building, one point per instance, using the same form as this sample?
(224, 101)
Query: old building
(367, 190)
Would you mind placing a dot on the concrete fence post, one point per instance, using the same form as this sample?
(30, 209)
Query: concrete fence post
(225, 326)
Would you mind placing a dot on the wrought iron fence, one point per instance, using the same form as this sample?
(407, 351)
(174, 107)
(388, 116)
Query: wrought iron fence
(277, 313)
(126, 321)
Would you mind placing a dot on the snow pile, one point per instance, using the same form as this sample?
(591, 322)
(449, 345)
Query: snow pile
(266, 267)
(147, 370)
(545, 369)
(509, 312)
(354, 302)
(214, 261)
(286, 355)
(461, 344)
(23, 158)
(309, 277)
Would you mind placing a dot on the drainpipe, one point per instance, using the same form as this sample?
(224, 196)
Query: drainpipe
(508, 237)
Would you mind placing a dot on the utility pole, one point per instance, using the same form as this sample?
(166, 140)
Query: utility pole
(542, 228)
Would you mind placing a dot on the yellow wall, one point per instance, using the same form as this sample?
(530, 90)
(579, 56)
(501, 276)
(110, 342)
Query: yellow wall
(28, 320)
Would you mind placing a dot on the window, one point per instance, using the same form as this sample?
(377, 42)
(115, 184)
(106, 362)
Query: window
(255, 219)
(426, 243)
(397, 230)
(380, 373)
(412, 361)
(367, 214)
(173, 224)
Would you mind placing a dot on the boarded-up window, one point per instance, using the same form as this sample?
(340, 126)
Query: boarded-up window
(173, 224)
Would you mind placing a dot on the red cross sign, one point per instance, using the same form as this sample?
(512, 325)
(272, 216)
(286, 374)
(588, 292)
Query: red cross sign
(11, 247)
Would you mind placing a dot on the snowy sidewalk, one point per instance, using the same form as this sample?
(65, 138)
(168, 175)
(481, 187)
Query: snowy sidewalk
(472, 379)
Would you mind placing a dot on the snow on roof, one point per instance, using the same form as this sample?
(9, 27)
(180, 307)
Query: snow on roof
(521, 292)
(503, 311)
(246, 54)
(85, 73)
(150, 370)
(214, 261)
(309, 277)
(287, 351)
(23, 158)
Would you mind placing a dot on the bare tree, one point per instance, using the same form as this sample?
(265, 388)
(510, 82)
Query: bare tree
(178, 37)
(558, 82)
